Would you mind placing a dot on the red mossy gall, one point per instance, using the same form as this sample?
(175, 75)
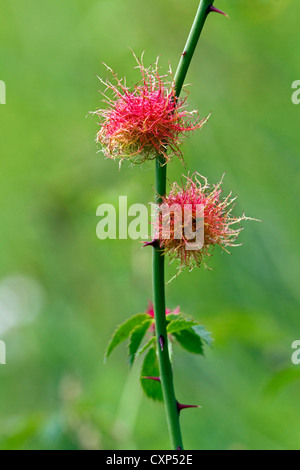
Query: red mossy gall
(216, 218)
(150, 310)
(141, 122)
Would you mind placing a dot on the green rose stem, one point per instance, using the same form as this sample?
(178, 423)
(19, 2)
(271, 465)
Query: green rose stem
(166, 373)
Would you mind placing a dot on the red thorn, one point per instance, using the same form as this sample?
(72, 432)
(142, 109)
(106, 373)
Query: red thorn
(161, 342)
(152, 378)
(183, 407)
(153, 243)
(212, 9)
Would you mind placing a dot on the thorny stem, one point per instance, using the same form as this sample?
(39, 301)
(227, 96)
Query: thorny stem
(166, 373)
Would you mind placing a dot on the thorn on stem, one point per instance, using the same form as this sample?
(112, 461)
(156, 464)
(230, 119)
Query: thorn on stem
(161, 342)
(152, 378)
(181, 407)
(153, 243)
(212, 9)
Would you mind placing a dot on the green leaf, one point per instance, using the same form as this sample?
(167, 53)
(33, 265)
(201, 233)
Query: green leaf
(172, 316)
(190, 341)
(205, 335)
(193, 339)
(180, 323)
(123, 331)
(146, 346)
(150, 368)
(137, 337)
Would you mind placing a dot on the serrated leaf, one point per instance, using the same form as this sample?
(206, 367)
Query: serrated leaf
(180, 323)
(136, 338)
(190, 341)
(150, 368)
(172, 316)
(123, 331)
(205, 335)
(146, 346)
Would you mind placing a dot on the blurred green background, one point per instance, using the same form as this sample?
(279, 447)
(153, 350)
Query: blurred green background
(62, 291)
